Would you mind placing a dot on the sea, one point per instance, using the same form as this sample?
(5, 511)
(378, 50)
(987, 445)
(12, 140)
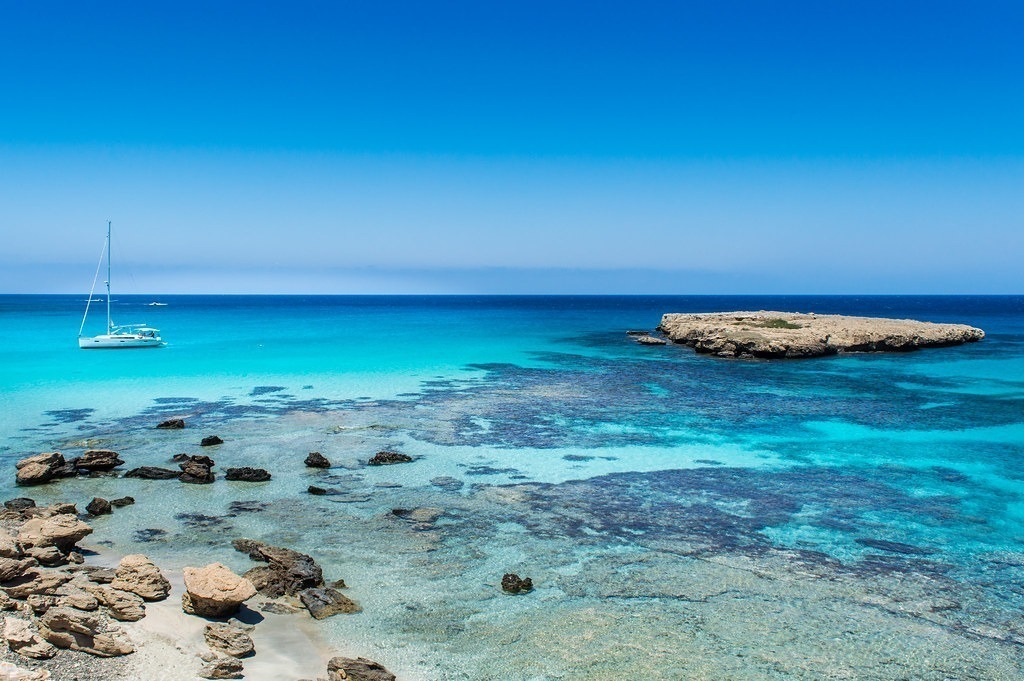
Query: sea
(681, 516)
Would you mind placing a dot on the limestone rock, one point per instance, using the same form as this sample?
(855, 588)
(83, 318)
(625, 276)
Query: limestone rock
(9, 547)
(214, 591)
(122, 605)
(325, 601)
(40, 603)
(793, 335)
(87, 632)
(19, 504)
(23, 639)
(79, 599)
(11, 568)
(650, 340)
(358, 669)
(511, 583)
(152, 473)
(40, 468)
(98, 460)
(98, 506)
(50, 556)
(171, 424)
(228, 639)
(287, 572)
(196, 473)
(317, 460)
(246, 474)
(62, 531)
(12, 672)
(222, 668)
(7, 603)
(386, 458)
(35, 581)
(137, 574)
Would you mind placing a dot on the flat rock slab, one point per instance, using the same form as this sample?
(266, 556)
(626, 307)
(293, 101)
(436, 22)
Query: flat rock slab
(795, 335)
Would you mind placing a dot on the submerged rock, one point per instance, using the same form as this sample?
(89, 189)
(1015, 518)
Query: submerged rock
(513, 584)
(211, 440)
(214, 591)
(317, 460)
(98, 506)
(247, 474)
(139, 575)
(152, 473)
(319, 491)
(386, 458)
(171, 424)
(325, 601)
(123, 501)
(357, 669)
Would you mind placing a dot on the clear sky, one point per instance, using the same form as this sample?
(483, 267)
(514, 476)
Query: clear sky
(519, 147)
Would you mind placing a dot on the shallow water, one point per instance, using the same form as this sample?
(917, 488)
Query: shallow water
(681, 516)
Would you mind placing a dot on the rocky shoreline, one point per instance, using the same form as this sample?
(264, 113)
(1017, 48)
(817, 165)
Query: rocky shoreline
(790, 335)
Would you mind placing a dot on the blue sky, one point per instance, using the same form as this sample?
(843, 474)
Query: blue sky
(817, 147)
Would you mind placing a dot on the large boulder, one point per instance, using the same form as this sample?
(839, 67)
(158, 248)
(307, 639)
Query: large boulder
(357, 669)
(122, 605)
(152, 473)
(86, 632)
(325, 601)
(287, 572)
(246, 474)
(24, 640)
(138, 575)
(63, 531)
(40, 468)
(214, 591)
(98, 460)
(228, 639)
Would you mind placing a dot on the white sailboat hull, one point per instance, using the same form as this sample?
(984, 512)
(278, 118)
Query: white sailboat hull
(111, 341)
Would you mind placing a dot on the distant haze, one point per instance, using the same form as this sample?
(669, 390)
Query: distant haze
(539, 148)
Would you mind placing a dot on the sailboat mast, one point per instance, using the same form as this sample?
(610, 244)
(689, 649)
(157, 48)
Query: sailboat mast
(110, 325)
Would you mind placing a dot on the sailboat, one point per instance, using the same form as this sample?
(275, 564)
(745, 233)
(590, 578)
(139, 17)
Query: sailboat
(117, 336)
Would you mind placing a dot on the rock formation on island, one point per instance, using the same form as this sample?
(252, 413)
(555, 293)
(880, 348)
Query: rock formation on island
(794, 335)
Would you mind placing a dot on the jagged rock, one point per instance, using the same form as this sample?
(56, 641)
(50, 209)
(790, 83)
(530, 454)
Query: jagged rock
(211, 440)
(75, 558)
(35, 581)
(7, 603)
(650, 340)
(287, 573)
(122, 605)
(214, 591)
(40, 468)
(10, 568)
(152, 473)
(137, 573)
(386, 458)
(62, 531)
(317, 460)
(202, 459)
(123, 501)
(99, 506)
(222, 668)
(87, 632)
(79, 599)
(246, 474)
(23, 639)
(196, 473)
(170, 424)
(49, 556)
(98, 460)
(19, 504)
(40, 603)
(325, 601)
(511, 583)
(358, 669)
(228, 639)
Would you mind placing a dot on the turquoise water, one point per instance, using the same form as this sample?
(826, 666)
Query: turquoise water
(682, 516)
